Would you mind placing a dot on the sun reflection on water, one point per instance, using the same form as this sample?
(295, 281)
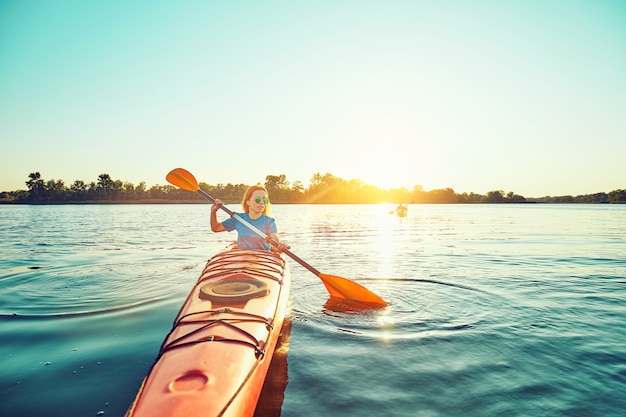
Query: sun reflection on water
(386, 323)
(382, 239)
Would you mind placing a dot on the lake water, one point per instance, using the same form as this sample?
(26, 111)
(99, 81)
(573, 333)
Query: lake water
(494, 310)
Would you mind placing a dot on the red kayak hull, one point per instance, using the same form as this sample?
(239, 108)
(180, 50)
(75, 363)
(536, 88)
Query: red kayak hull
(215, 359)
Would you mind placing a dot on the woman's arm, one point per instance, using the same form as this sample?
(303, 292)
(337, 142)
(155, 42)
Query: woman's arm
(215, 225)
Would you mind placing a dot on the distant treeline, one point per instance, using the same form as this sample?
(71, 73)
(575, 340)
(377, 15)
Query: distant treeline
(323, 189)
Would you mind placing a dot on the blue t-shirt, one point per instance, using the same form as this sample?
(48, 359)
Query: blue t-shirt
(246, 238)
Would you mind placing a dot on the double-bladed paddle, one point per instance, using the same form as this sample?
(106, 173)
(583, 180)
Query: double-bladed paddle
(338, 287)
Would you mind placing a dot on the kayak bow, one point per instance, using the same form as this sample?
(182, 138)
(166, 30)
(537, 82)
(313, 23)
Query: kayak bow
(215, 359)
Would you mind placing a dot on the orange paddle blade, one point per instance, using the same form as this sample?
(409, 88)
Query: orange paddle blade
(339, 287)
(183, 179)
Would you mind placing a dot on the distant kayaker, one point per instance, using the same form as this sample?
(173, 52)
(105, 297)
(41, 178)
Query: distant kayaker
(256, 206)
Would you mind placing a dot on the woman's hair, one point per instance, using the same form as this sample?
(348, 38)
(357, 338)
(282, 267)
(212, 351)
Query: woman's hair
(248, 194)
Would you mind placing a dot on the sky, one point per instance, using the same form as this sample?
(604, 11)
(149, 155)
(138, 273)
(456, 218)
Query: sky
(526, 96)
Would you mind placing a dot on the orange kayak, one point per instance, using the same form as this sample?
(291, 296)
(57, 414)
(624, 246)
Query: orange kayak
(215, 359)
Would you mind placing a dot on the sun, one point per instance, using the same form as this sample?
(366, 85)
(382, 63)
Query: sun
(386, 176)
(385, 179)
(385, 164)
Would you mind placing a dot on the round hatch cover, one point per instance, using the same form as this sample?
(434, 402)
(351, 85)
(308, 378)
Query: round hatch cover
(234, 290)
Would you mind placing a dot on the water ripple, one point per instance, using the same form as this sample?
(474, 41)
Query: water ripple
(68, 291)
(418, 308)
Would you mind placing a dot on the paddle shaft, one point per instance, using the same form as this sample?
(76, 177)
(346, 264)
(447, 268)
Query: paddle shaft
(259, 233)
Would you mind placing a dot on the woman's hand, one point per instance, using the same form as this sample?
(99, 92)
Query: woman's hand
(217, 203)
(276, 244)
(280, 246)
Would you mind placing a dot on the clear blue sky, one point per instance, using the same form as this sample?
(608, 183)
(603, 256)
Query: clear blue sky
(524, 96)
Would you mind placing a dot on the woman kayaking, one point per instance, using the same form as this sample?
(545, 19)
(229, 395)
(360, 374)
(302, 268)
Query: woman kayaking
(256, 206)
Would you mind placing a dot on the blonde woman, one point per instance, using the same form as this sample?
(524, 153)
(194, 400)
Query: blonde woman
(256, 206)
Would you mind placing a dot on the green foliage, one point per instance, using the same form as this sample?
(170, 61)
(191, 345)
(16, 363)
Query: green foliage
(323, 188)
(598, 198)
(617, 196)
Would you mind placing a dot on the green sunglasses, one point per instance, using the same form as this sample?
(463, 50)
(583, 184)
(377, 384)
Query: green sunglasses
(259, 199)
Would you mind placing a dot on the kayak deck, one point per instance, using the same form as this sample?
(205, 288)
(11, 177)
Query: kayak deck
(214, 360)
